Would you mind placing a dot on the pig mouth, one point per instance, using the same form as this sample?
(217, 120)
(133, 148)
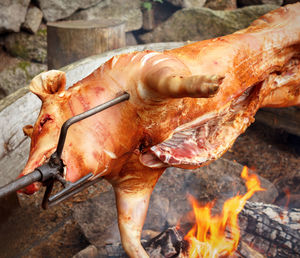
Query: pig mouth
(30, 167)
(205, 139)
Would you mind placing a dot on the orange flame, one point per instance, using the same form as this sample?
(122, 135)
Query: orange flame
(287, 202)
(218, 235)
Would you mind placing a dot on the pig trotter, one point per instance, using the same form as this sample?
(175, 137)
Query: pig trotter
(132, 204)
(132, 210)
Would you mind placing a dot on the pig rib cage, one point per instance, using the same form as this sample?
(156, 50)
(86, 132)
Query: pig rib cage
(52, 171)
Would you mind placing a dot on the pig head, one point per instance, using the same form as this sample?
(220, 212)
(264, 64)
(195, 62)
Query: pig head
(187, 106)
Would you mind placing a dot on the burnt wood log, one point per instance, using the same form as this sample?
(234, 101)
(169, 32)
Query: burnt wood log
(287, 119)
(69, 41)
(266, 231)
(271, 229)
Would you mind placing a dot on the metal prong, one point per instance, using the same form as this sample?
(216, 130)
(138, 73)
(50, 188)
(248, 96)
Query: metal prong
(75, 119)
(71, 191)
(70, 187)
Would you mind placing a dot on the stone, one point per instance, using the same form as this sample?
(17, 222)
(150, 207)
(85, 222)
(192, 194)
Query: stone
(18, 76)
(197, 24)
(221, 4)
(89, 252)
(54, 10)
(12, 14)
(33, 19)
(285, 2)
(242, 3)
(219, 181)
(27, 46)
(130, 39)
(127, 11)
(187, 3)
(97, 218)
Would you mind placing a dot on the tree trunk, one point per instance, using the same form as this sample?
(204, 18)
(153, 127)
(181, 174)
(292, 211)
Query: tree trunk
(69, 41)
(148, 19)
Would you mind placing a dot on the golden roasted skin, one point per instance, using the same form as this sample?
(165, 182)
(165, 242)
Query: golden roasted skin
(187, 107)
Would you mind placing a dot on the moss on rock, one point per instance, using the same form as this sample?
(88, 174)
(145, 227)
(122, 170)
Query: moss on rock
(27, 46)
(18, 76)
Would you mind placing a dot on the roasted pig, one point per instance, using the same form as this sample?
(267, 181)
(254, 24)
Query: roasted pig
(187, 107)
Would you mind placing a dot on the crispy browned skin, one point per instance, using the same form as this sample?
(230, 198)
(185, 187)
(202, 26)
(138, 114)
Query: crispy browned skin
(215, 86)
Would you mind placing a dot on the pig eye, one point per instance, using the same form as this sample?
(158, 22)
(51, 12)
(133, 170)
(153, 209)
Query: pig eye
(44, 120)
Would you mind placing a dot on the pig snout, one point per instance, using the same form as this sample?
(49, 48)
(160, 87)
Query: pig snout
(30, 189)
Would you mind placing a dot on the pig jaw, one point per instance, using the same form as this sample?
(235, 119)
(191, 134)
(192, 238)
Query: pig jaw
(34, 161)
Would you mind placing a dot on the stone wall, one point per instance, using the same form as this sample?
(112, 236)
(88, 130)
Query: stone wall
(23, 33)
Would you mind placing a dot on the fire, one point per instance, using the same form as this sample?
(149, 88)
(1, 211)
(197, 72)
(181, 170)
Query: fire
(218, 235)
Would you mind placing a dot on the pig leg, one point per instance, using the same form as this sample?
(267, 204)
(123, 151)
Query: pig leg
(285, 87)
(133, 191)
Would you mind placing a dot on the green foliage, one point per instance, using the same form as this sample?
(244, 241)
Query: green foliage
(148, 4)
(42, 32)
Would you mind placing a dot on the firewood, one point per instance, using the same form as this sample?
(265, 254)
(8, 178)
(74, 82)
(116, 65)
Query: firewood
(245, 250)
(266, 231)
(69, 41)
(270, 229)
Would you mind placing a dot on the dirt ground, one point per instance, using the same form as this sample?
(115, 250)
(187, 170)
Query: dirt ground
(29, 231)
(274, 155)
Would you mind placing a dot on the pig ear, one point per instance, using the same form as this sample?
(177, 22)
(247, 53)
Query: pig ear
(28, 129)
(47, 83)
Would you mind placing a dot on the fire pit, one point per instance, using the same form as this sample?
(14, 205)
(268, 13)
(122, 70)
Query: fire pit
(265, 228)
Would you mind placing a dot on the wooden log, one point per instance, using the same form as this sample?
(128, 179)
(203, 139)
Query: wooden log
(287, 119)
(69, 41)
(266, 231)
(148, 19)
(271, 230)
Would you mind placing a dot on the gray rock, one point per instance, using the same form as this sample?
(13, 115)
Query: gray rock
(203, 23)
(285, 2)
(27, 46)
(12, 14)
(89, 252)
(187, 3)
(58, 9)
(127, 11)
(221, 4)
(258, 2)
(18, 76)
(33, 19)
(97, 219)
(130, 39)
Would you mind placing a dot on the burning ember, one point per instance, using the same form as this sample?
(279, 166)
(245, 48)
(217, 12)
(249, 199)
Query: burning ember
(218, 235)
